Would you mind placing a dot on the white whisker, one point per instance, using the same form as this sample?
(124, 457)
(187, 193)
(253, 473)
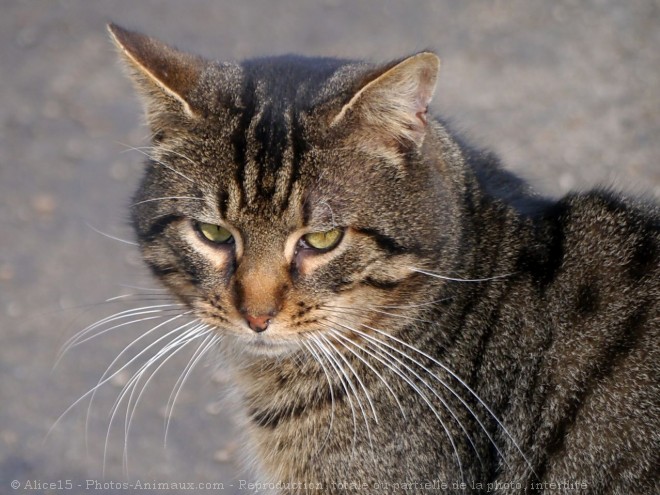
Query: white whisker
(190, 333)
(132, 243)
(387, 385)
(379, 344)
(103, 378)
(136, 287)
(342, 379)
(165, 198)
(361, 311)
(357, 377)
(408, 306)
(453, 279)
(429, 404)
(177, 153)
(355, 391)
(145, 310)
(153, 159)
(309, 345)
(202, 349)
(465, 386)
(138, 374)
(173, 348)
(108, 378)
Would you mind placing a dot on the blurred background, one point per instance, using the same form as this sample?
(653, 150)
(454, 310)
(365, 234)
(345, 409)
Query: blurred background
(566, 92)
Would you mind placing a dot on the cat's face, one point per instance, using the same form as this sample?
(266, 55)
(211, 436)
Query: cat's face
(283, 196)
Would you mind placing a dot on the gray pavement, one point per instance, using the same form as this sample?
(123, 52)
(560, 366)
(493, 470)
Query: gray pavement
(567, 92)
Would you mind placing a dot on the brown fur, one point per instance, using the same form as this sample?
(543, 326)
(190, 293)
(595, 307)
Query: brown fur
(464, 330)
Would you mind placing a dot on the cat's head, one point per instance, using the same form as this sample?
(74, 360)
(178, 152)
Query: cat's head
(289, 197)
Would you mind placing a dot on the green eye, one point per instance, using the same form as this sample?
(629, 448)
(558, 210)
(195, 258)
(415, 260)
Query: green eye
(323, 241)
(215, 233)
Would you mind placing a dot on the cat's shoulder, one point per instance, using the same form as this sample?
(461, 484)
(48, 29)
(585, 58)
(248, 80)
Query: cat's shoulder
(612, 231)
(611, 213)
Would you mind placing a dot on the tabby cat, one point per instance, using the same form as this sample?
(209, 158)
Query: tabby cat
(399, 314)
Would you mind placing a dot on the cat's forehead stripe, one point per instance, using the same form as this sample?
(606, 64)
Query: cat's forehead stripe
(267, 147)
(239, 137)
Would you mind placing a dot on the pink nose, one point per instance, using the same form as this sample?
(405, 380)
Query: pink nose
(258, 323)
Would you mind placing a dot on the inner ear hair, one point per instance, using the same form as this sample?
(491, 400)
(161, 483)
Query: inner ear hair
(158, 70)
(395, 103)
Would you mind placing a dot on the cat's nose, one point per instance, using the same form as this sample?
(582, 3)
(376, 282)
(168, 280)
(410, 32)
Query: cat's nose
(258, 323)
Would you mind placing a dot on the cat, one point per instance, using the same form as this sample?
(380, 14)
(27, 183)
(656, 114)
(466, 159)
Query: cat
(398, 312)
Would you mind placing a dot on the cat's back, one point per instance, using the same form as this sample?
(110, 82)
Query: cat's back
(603, 242)
(597, 276)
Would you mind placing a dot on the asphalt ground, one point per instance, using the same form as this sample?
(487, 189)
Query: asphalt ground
(566, 92)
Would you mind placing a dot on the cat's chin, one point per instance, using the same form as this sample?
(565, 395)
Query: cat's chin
(259, 345)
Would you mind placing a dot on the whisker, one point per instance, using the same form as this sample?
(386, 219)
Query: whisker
(357, 377)
(114, 238)
(189, 333)
(206, 344)
(77, 339)
(108, 378)
(309, 345)
(139, 298)
(453, 279)
(177, 153)
(145, 310)
(173, 348)
(170, 168)
(122, 314)
(408, 306)
(136, 287)
(114, 327)
(355, 311)
(175, 345)
(466, 387)
(342, 379)
(149, 296)
(380, 344)
(165, 198)
(355, 391)
(380, 377)
(132, 383)
(103, 378)
(429, 404)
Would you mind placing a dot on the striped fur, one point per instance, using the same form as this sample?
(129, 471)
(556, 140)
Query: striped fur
(464, 330)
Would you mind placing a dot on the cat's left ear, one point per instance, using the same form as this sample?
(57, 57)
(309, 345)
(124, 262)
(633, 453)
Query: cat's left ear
(165, 77)
(392, 107)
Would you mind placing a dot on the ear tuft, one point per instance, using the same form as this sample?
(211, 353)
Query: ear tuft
(161, 72)
(395, 103)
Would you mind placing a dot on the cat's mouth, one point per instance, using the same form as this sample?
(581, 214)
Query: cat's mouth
(262, 344)
(275, 341)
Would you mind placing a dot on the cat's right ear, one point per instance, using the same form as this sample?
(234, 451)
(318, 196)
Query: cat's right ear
(389, 111)
(165, 77)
